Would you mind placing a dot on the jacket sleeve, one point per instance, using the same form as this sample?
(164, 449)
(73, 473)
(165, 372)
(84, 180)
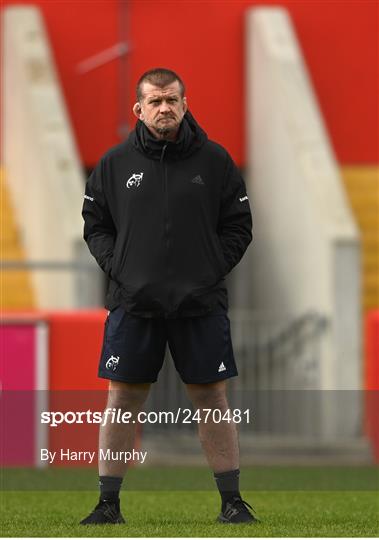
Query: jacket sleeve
(99, 229)
(235, 220)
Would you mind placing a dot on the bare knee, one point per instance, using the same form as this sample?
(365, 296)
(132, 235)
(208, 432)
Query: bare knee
(127, 396)
(211, 395)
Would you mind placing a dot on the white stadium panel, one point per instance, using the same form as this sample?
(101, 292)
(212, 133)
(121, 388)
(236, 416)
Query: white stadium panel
(42, 389)
(306, 251)
(42, 167)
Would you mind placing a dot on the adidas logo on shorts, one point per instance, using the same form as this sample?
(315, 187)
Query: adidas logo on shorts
(221, 367)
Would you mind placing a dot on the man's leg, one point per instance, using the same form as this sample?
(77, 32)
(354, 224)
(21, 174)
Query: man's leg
(219, 440)
(120, 437)
(116, 437)
(220, 444)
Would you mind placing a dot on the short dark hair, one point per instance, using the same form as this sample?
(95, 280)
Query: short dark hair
(159, 77)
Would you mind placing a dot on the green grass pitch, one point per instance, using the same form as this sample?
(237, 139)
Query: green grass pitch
(310, 511)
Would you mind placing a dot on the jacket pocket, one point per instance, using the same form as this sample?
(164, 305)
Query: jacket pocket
(220, 257)
(116, 261)
(114, 323)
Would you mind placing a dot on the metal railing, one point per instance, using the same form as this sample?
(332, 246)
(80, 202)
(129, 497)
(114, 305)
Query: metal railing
(88, 279)
(278, 364)
(71, 266)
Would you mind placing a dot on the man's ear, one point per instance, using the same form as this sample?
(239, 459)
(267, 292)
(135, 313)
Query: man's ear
(185, 106)
(137, 110)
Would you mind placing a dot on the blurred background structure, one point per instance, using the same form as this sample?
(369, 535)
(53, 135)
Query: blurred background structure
(291, 91)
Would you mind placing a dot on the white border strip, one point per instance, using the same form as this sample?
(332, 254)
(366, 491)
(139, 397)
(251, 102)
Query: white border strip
(41, 389)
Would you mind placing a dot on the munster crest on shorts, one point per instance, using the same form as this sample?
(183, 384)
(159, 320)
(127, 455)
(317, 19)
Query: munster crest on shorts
(135, 180)
(112, 363)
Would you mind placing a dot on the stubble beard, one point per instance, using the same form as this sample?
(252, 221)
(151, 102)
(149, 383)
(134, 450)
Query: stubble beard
(164, 131)
(167, 131)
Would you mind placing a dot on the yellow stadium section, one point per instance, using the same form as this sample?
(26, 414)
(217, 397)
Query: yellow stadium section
(16, 285)
(362, 186)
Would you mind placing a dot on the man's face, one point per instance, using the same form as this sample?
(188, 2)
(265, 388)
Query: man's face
(161, 109)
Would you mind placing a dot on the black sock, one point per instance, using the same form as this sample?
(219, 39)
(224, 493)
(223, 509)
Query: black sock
(228, 485)
(110, 488)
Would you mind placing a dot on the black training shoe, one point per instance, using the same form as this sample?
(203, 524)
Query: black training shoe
(104, 512)
(236, 511)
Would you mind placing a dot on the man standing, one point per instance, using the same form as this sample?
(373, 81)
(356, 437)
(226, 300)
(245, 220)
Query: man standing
(167, 217)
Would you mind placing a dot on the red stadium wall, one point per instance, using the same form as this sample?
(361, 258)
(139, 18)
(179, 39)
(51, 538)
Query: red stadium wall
(204, 42)
(75, 340)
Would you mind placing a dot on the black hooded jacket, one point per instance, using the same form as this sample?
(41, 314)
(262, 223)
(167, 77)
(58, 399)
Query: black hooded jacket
(166, 221)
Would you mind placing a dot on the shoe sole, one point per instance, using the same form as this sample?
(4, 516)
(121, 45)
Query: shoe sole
(99, 524)
(222, 519)
(120, 521)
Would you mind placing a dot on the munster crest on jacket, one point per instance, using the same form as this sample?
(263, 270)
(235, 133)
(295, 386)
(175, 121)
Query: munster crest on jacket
(135, 180)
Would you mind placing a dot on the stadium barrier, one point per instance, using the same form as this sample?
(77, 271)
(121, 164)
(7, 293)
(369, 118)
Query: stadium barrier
(59, 351)
(23, 381)
(49, 361)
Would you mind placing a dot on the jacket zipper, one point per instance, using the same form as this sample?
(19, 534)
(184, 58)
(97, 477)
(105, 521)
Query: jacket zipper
(166, 223)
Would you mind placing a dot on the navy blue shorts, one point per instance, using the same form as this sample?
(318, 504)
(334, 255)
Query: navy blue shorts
(134, 348)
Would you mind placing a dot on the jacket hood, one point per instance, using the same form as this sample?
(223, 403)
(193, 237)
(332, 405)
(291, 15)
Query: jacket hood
(191, 137)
